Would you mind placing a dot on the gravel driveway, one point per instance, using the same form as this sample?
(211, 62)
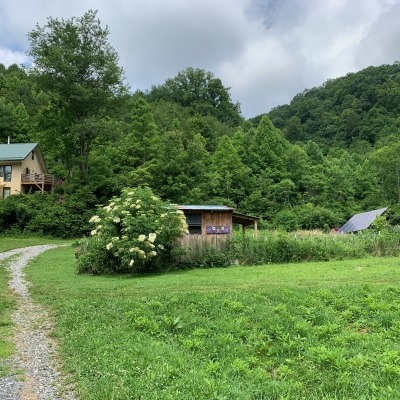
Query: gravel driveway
(34, 374)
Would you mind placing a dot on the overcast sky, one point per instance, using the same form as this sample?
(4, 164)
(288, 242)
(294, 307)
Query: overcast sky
(266, 51)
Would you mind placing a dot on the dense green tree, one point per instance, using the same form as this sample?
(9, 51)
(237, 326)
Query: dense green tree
(388, 95)
(340, 183)
(283, 192)
(314, 183)
(228, 175)
(170, 178)
(200, 90)
(166, 113)
(314, 153)
(209, 127)
(387, 163)
(266, 148)
(294, 129)
(142, 140)
(16, 86)
(349, 125)
(197, 162)
(296, 163)
(78, 69)
(6, 120)
(368, 193)
(21, 124)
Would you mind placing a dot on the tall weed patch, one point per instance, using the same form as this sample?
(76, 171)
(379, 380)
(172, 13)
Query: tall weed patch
(286, 248)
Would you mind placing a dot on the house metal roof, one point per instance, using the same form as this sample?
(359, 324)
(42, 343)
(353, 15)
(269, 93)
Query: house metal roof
(15, 151)
(237, 218)
(204, 208)
(361, 221)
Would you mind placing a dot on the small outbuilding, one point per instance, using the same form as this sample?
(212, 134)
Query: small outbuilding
(213, 223)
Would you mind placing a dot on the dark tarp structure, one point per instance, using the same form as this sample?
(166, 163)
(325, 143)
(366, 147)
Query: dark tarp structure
(361, 221)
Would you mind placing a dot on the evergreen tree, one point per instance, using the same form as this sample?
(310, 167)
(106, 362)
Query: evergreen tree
(142, 140)
(228, 175)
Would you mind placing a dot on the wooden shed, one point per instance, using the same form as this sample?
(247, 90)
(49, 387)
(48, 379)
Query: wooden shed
(214, 223)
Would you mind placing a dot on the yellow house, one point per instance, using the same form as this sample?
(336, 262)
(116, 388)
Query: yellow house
(22, 170)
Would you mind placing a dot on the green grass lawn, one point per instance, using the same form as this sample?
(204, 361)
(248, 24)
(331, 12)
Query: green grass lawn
(10, 243)
(297, 331)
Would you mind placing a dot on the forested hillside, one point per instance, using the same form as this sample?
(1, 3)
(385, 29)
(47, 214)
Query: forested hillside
(356, 111)
(333, 151)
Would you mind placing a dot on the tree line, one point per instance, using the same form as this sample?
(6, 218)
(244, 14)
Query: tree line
(332, 152)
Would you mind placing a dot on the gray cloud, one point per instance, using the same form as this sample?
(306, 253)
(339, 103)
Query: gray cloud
(267, 51)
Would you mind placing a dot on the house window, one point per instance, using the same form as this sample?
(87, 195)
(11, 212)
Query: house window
(33, 154)
(194, 223)
(5, 172)
(6, 192)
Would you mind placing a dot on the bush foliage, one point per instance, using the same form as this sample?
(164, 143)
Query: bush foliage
(50, 214)
(134, 232)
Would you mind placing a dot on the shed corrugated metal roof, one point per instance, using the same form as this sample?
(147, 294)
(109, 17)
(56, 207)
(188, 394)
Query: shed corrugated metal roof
(15, 151)
(244, 219)
(361, 221)
(204, 208)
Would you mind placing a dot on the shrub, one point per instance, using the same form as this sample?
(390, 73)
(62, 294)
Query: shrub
(15, 213)
(287, 220)
(134, 232)
(315, 217)
(51, 214)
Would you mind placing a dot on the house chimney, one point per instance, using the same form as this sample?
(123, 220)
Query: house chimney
(9, 140)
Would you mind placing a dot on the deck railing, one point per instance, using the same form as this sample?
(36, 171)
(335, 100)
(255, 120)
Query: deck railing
(41, 179)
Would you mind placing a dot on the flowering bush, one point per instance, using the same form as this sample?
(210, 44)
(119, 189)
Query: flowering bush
(134, 232)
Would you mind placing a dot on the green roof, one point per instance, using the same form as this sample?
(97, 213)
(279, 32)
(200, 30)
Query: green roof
(15, 151)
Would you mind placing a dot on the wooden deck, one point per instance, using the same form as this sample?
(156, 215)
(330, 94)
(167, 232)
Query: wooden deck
(43, 182)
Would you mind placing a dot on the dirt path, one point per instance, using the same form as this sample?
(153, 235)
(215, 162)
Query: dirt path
(34, 373)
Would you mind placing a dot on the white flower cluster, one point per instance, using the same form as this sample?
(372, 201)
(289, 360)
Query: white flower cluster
(95, 219)
(184, 225)
(117, 226)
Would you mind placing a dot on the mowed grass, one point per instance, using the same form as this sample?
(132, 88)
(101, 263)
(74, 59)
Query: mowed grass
(7, 304)
(11, 243)
(297, 331)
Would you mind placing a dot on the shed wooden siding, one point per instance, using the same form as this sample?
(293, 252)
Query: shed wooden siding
(208, 218)
(197, 242)
(215, 219)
